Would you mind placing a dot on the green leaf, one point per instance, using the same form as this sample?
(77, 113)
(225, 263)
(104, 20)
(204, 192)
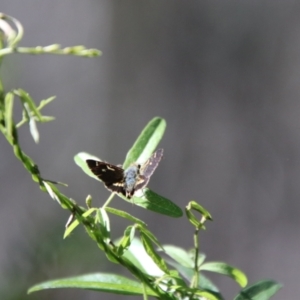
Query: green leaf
(8, 32)
(137, 255)
(152, 201)
(152, 253)
(151, 236)
(12, 35)
(203, 284)
(32, 109)
(64, 201)
(126, 240)
(262, 290)
(45, 102)
(197, 207)
(201, 256)
(207, 295)
(33, 130)
(175, 277)
(223, 268)
(52, 191)
(75, 223)
(104, 224)
(193, 205)
(146, 143)
(47, 119)
(125, 215)
(109, 283)
(179, 255)
(80, 160)
(88, 201)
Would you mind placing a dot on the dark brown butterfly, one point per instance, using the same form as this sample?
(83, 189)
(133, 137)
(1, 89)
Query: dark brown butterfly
(128, 181)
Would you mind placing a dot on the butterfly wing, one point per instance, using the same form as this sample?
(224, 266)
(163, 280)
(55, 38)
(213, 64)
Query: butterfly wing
(148, 168)
(151, 164)
(116, 180)
(111, 175)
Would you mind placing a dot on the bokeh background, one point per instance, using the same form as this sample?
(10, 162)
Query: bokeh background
(225, 76)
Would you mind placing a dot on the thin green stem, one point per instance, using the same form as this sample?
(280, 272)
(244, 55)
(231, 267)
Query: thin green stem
(108, 200)
(21, 123)
(145, 296)
(195, 280)
(52, 49)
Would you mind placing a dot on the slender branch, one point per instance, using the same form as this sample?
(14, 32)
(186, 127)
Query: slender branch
(196, 277)
(108, 200)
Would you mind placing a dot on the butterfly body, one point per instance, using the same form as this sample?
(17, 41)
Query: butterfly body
(127, 181)
(131, 175)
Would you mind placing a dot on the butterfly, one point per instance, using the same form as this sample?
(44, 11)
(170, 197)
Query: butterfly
(128, 181)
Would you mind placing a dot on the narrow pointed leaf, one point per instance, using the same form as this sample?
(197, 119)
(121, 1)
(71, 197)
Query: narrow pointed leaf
(207, 295)
(157, 203)
(262, 290)
(75, 223)
(125, 215)
(109, 283)
(179, 255)
(12, 35)
(151, 201)
(194, 205)
(52, 191)
(88, 201)
(223, 268)
(137, 255)
(47, 119)
(147, 142)
(33, 130)
(8, 32)
(126, 240)
(151, 236)
(25, 98)
(152, 253)
(104, 223)
(45, 102)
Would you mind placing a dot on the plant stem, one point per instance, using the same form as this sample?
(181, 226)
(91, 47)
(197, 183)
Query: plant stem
(145, 296)
(196, 277)
(108, 200)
